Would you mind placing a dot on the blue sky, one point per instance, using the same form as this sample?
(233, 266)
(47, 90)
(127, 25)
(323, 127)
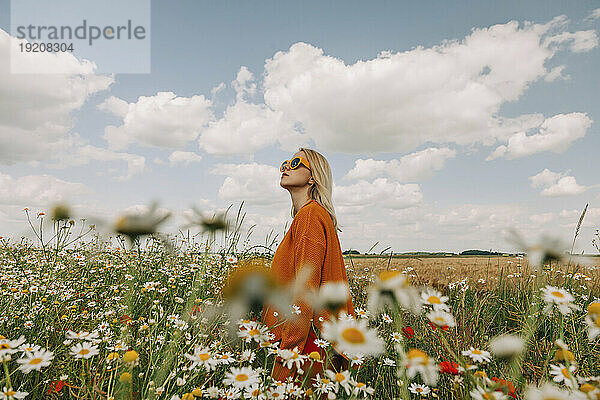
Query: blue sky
(426, 100)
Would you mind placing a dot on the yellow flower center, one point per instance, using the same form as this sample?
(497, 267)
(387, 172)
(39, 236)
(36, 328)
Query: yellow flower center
(597, 322)
(275, 394)
(325, 380)
(416, 353)
(10, 393)
(586, 388)
(353, 335)
(315, 355)
(387, 275)
(562, 355)
(241, 377)
(339, 377)
(35, 361)
(360, 384)
(434, 300)
(476, 351)
(4, 346)
(558, 294)
(83, 352)
(204, 356)
(439, 320)
(253, 332)
(488, 396)
(419, 389)
(594, 308)
(565, 372)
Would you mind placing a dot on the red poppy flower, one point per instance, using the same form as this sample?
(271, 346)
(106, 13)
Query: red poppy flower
(408, 332)
(449, 367)
(125, 319)
(506, 386)
(56, 386)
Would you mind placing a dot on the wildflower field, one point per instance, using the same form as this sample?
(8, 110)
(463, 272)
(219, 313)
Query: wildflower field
(175, 317)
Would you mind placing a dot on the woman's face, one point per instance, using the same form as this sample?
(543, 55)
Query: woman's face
(298, 177)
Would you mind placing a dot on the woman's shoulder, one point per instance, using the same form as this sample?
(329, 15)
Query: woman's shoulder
(312, 211)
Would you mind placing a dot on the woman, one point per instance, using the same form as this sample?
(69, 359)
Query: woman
(312, 243)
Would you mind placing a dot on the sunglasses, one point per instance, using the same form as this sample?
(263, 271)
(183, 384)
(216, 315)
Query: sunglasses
(295, 163)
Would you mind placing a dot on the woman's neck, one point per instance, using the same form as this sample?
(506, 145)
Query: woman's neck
(299, 198)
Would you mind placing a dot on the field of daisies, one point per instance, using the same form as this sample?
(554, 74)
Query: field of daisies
(177, 317)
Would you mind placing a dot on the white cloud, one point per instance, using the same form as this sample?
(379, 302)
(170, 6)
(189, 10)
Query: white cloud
(379, 193)
(163, 120)
(556, 184)
(38, 190)
(544, 178)
(247, 127)
(595, 14)
(581, 41)
(77, 152)
(556, 135)
(183, 158)
(35, 109)
(450, 93)
(256, 184)
(411, 167)
(556, 73)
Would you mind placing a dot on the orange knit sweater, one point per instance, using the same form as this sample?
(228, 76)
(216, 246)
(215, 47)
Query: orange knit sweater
(311, 240)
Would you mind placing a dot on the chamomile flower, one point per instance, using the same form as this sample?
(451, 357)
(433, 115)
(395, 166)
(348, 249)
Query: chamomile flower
(241, 377)
(441, 318)
(547, 392)
(84, 350)
(333, 295)
(254, 331)
(435, 299)
(390, 287)
(396, 337)
(362, 388)
(29, 348)
(202, 357)
(247, 356)
(480, 393)
(353, 337)
(416, 388)
(477, 355)
(35, 361)
(340, 379)
(292, 357)
(563, 374)
(355, 359)
(8, 347)
(225, 358)
(592, 320)
(506, 346)
(323, 384)
(11, 394)
(389, 362)
(559, 297)
(418, 362)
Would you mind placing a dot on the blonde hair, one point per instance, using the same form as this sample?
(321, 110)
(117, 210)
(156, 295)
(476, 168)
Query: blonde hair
(321, 190)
